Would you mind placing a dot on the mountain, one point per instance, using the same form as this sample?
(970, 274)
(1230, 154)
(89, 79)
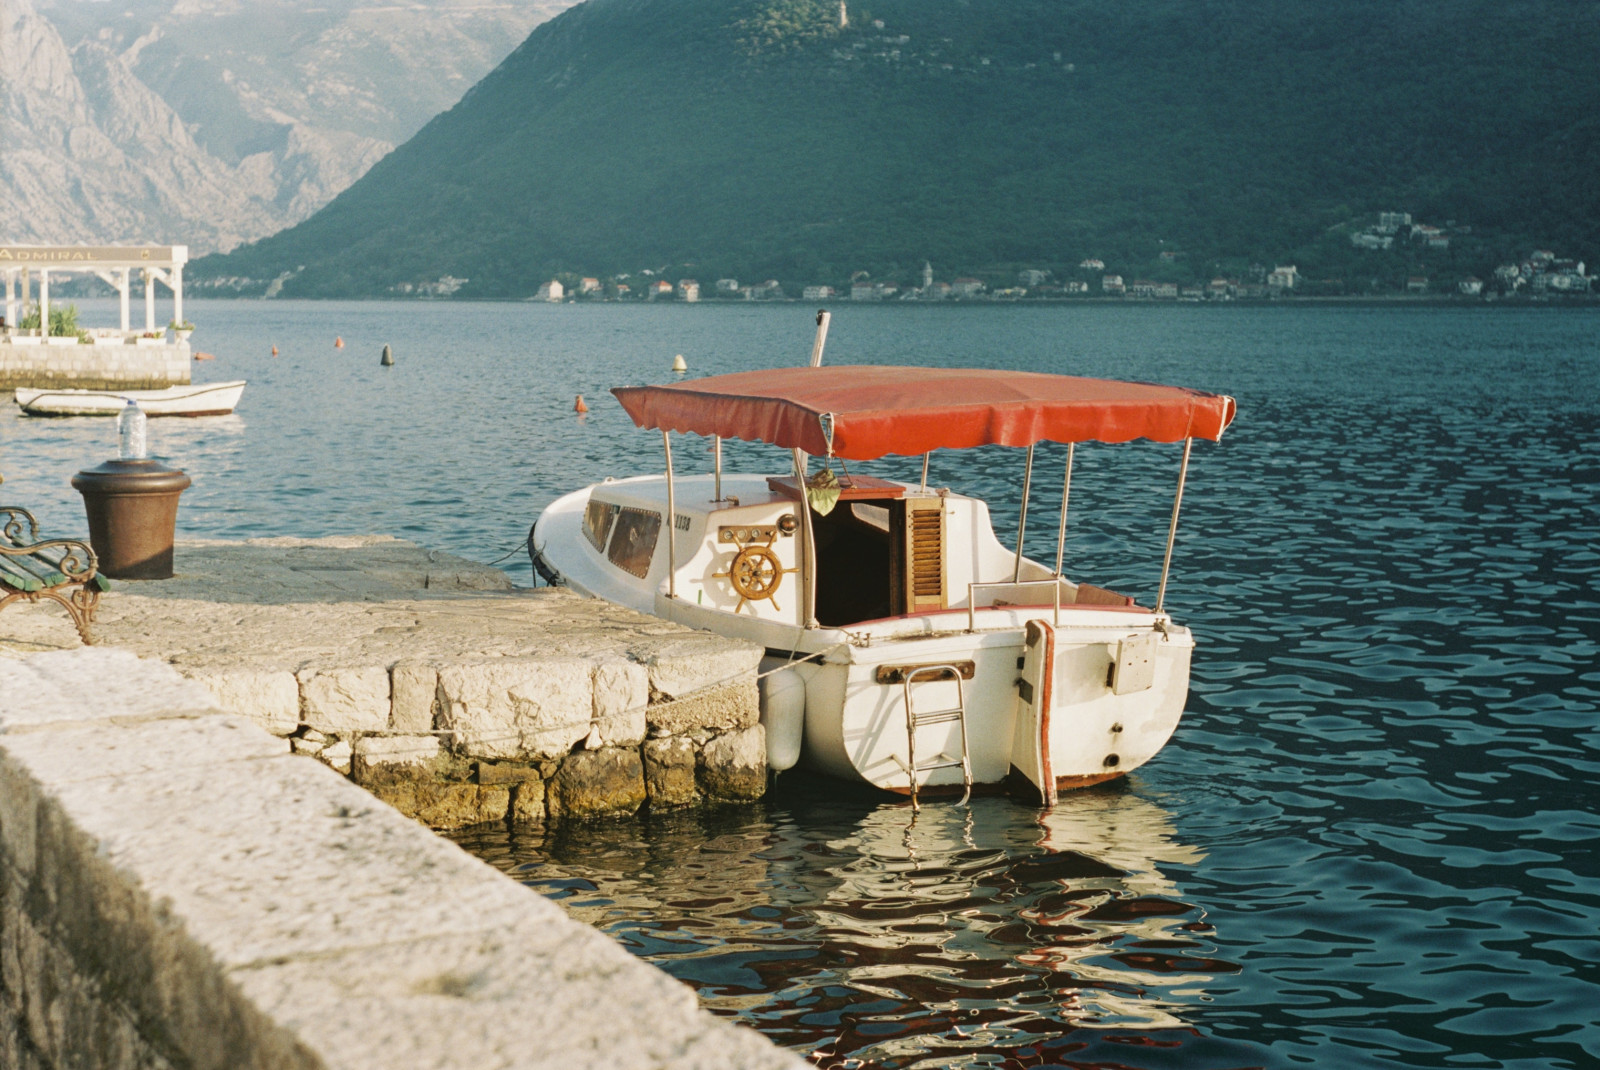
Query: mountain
(211, 122)
(807, 140)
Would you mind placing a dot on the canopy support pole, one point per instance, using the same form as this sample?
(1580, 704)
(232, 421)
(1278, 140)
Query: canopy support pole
(1022, 520)
(672, 521)
(1066, 492)
(925, 457)
(808, 557)
(1172, 531)
(822, 340)
(716, 461)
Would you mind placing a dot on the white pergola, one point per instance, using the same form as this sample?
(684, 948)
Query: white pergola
(114, 264)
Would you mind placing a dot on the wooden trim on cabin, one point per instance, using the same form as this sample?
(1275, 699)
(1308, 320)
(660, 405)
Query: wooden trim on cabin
(851, 488)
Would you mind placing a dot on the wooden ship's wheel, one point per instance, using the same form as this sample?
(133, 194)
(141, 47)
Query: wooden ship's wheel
(755, 571)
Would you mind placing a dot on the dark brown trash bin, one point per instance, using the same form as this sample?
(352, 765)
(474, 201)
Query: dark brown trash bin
(133, 515)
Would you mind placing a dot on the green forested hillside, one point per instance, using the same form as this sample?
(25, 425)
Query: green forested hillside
(759, 138)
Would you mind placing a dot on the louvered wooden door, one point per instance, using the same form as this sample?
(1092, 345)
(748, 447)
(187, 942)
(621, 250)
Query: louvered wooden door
(923, 575)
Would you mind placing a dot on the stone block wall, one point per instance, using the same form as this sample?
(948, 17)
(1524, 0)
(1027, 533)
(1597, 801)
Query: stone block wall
(125, 367)
(664, 721)
(178, 891)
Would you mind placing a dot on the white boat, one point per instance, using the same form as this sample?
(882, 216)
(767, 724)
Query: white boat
(900, 597)
(207, 399)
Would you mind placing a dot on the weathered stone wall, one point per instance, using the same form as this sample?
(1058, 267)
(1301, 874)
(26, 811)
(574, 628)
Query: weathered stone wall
(177, 891)
(95, 367)
(664, 721)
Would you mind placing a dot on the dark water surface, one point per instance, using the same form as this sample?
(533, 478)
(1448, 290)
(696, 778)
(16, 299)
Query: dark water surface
(1373, 840)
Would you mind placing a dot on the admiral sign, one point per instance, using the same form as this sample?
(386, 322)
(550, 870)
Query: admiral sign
(84, 256)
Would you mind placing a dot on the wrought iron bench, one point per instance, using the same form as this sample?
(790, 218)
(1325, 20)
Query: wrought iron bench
(63, 570)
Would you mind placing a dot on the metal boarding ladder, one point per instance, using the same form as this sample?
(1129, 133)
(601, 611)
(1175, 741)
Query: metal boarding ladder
(915, 720)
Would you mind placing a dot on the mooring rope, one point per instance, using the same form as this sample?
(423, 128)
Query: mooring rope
(521, 546)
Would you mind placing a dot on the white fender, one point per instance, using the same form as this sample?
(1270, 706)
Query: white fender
(783, 715)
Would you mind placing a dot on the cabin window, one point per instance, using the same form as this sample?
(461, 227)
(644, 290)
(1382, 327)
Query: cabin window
(633, 543)
(597, 520)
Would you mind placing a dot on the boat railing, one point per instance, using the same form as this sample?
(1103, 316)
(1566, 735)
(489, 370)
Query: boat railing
(973, 588)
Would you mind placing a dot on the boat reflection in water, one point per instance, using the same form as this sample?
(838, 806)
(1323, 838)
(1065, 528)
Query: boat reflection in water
(855, 933)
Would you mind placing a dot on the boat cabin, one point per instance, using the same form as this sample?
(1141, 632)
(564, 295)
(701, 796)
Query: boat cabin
(886, 550)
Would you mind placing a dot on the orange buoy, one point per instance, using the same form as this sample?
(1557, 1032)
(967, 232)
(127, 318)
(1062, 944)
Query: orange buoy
(274, 350)
(338, 343)
(579, 406)
(205, 356)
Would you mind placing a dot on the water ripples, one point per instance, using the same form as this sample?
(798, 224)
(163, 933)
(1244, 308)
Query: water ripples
(1373, 840)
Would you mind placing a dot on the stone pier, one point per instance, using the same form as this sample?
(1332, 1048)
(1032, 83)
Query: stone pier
(177, 892)
(430, 681)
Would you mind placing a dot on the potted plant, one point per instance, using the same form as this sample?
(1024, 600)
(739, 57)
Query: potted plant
(182, 328)
(27, 332)
(64, 329)
(151, 338)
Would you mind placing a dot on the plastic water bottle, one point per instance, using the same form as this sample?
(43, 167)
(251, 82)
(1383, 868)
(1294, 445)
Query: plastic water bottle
(130, 432)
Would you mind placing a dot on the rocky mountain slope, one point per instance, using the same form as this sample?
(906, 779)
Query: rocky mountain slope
(770, 138)
(211, 122)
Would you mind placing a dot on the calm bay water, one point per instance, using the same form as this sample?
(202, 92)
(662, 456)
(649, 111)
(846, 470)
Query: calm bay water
(1373, 841)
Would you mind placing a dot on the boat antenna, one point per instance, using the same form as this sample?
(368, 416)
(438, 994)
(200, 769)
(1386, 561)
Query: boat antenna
(822, 337)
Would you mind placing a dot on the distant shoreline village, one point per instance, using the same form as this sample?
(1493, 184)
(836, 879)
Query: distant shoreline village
(1393, 259)
(1538, 274)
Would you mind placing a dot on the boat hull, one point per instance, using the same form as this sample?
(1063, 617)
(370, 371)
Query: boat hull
(855, 726)
(210, 399)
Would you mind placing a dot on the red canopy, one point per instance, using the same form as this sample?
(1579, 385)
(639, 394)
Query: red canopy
(881, 410)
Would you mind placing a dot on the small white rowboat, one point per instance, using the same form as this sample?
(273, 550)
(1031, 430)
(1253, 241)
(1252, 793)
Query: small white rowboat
(207, 399)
